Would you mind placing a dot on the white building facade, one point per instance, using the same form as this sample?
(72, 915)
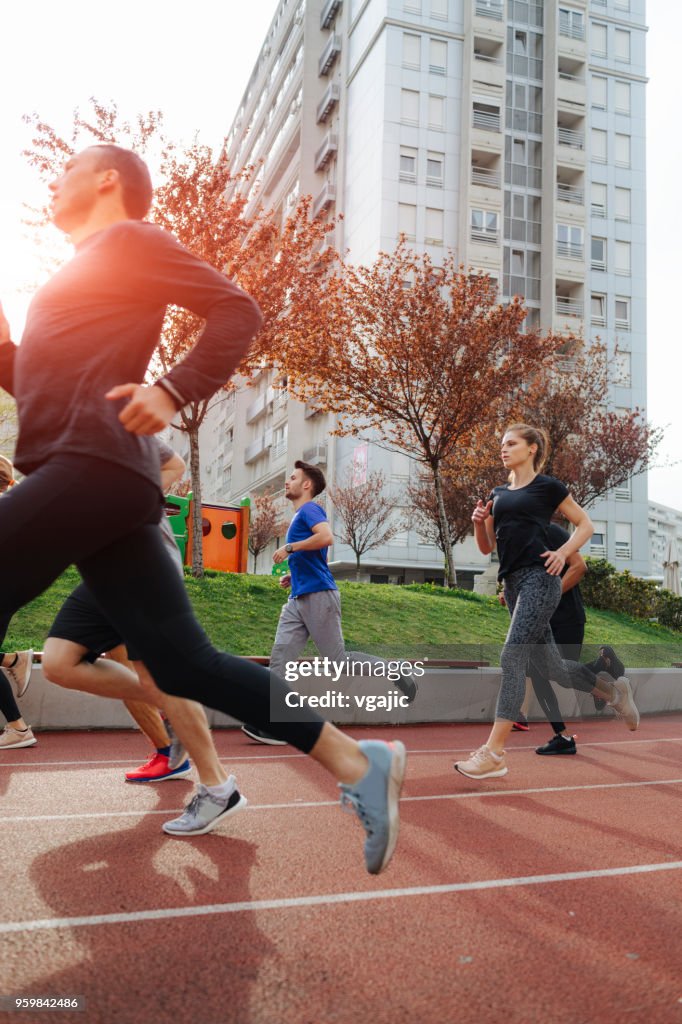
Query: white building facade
(509, 131)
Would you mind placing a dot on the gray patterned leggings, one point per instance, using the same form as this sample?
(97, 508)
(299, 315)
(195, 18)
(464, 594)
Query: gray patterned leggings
(532, 596)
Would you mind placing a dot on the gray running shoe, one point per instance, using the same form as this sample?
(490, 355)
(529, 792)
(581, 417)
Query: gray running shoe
(205, 811)
(623, 703)
(375, 800)
(20, 673)
(11, 737)
(177, 754)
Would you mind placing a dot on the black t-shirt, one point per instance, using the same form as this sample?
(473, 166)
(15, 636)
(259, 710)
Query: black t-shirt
(521, 518)
(96, 324)
(570, 609)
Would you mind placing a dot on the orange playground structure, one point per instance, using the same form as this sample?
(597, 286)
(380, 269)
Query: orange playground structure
(225, 532)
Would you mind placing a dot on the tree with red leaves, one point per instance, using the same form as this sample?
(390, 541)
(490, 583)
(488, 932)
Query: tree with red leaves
(265, 524)
(365, 513)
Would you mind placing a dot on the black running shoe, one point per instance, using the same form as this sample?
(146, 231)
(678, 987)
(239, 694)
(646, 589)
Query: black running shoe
(558, 745)
(407, 685)
(599, 703)
(261, 736)
(608, 661)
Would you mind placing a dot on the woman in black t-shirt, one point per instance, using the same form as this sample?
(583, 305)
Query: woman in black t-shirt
(515, 519)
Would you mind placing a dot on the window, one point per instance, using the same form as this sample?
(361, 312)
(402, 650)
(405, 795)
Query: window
(598, 540)
(598, 310)
(599, 88)
(434, 169)
(408, 164)
(411, 51)
(433, 234)
(438, 56)
(599, 146)
(623, 540)
(409, 106)
(439, 9)
(623, 369)
(518, 262)
(437, 112)
(623, 259)
(623, 45)
(622, 97)
(407, 221)
(518, 151)
(520, 43)
(622, 150)
(598, 253)
(598, 199)
(571, 23)
(598, 40)
(569, 239)
(624, 491)
(622, 203)
(622, 313)
(483, 226)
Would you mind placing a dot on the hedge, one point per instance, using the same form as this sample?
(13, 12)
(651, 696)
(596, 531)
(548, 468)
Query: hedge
(604, 587)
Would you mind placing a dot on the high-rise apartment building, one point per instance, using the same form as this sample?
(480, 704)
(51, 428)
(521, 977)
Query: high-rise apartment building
(509, 131)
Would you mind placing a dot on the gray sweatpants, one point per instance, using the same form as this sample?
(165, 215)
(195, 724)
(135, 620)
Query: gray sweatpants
(532, 596)
(317, 616)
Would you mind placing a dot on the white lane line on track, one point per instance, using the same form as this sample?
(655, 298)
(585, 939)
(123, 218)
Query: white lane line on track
(471, 795)
(289, 757)
(50, 924)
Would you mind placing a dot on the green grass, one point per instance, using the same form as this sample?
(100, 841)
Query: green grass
(240, 614)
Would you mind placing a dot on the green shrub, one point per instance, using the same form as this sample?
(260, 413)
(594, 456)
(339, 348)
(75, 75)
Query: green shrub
(604, 587)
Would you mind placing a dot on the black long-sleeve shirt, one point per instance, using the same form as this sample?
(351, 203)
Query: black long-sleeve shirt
(96, 323)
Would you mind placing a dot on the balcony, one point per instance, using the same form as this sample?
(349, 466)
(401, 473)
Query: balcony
(324, 199)
(570, 250)
(329, 55)
(317, 455)
(487, 177)
(258, 447)
(487, 237)
(571, 28)
(489, 9)
(573, 194)
(329, 12)
(331, 97)
(564, 305)
(326, 151)
(486, 120)
(571, 138)
(259, 406)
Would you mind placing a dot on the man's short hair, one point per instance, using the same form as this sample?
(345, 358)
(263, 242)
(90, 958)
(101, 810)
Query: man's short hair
(314, 474)
(136, 182)
(6, 473)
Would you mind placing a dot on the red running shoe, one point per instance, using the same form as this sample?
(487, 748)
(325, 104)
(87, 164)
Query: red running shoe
(521, 724)
(158, 769)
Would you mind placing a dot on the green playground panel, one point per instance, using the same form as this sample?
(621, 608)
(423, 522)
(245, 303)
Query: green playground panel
(179, 519)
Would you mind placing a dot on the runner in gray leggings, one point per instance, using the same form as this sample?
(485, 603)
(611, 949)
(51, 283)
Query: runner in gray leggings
(516, 518)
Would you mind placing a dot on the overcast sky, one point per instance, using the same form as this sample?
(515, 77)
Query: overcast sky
(193, 64)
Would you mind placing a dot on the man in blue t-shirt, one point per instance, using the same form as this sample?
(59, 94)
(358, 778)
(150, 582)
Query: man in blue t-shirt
(314, 605)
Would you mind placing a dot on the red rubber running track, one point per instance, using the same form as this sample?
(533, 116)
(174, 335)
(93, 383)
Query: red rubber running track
(552, 895)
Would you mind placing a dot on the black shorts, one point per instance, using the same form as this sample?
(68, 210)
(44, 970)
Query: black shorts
(81, 620)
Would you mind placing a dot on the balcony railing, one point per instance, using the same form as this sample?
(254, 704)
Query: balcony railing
(329, 54)
(572, 139)
(598, 209)
(570, 194)
(497, 61)
(598, 320)
(623, 549)
(597, 264)
(481, 235)
(326, 151)
(571, 29)
(570, 250)
(566, 306)
(331, 97)
(317, 455)
(329, 12)
(278, 449)
(488, 9)
(622, 323)
(324, 198)
(597, 550)
(489, 122)
(486, 176)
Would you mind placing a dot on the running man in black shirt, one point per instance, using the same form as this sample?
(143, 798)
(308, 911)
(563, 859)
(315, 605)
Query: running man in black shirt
(516, 519)
(92, 494)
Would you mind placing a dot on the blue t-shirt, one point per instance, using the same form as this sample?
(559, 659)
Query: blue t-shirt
(309, 570)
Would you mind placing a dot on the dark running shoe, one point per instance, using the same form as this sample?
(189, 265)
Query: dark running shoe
(558, 745)
(261, 736)
(609, 662)
(521, 724)
(599, 703)
(407, 685)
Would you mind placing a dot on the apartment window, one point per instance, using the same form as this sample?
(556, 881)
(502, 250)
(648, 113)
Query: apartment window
(622, 203)
(518, 151)
(433, 234)
(571, 23)
(569, 239)
(623, 369)
(520, 43)
(598, 253)
(598, 310)
(622, 45)
(412, 51)
(599, 146)
(227, 477)
(622, 313)
(439, 9)
(407, 221)
(598, 199)
(622, 150)
(623, 540)
(409, 106)
(408, 164)
(624, 491)
(438, 56)
(622, 97)
(598, 40)
(483, 226)
(598, 540)
(518, 262)
(434, 169)
(437, 112)
(599, 90)
(623, 259)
